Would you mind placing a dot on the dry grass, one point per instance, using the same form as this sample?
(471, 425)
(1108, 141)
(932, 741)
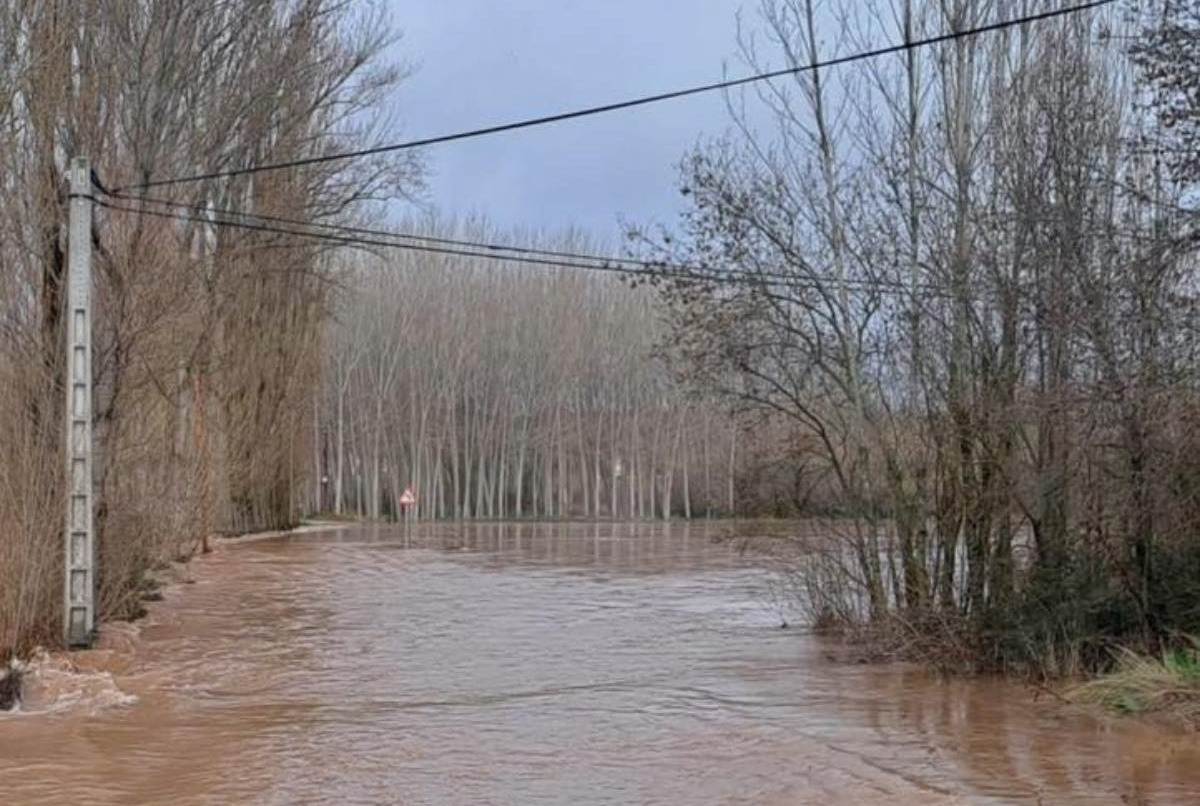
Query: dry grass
(1140, 684)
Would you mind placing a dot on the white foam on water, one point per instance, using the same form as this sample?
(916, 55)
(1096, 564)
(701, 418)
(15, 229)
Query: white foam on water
(55, 685)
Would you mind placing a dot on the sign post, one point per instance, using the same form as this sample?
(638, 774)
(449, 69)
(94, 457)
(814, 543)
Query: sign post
(408, 503)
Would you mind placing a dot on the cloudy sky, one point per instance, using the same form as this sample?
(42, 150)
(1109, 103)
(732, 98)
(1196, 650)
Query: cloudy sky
(481, 62)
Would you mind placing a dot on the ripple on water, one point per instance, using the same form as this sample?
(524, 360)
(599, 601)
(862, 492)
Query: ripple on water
(529, 664)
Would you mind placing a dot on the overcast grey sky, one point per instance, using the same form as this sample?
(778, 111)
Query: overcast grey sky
(481, 62)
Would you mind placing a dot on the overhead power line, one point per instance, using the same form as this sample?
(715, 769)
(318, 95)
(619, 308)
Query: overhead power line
(202, 211)
(645, 269)
(619, 105)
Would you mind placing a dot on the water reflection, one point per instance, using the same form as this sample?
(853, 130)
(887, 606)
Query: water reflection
(544, 663)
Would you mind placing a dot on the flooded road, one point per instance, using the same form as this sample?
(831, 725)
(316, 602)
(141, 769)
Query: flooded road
(535, 664)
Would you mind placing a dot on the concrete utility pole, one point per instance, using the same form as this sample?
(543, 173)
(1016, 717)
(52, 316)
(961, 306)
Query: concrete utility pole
(79, 596)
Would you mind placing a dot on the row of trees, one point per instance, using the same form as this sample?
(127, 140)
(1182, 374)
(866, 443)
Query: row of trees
(501, 390)
(207, 337)
(977, 300)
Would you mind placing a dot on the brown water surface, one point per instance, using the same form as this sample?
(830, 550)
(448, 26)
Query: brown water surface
(534, 664)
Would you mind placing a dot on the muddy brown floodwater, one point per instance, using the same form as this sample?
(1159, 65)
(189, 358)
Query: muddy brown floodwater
(530, 664)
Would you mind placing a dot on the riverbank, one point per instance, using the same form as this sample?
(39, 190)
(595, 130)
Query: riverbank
(304, 528)
(1155, 691)
(1079, 639)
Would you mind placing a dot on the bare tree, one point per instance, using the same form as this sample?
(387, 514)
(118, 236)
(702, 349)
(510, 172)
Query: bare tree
(971, 301)
(207, 337)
